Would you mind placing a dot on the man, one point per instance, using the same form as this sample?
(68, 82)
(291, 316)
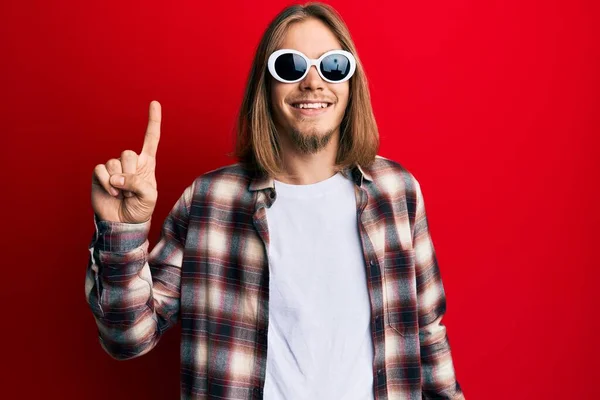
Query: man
(305, 271)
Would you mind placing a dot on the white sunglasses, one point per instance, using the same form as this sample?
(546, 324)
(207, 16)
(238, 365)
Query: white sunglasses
(290, 66)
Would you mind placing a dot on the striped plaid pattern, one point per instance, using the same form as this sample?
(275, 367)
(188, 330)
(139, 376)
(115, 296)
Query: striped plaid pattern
(209, 271)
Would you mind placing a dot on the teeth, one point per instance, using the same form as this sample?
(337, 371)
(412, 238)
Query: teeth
(311, 105)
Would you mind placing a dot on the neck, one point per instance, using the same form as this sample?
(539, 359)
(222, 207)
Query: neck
(306, 169)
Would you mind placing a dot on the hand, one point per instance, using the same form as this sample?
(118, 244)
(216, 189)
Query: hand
(133, 199)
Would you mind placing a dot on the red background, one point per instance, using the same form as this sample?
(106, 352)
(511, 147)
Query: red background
(492, 105)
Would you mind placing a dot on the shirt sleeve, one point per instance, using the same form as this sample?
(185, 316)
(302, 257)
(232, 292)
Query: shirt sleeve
(134, 295)
(437, 369)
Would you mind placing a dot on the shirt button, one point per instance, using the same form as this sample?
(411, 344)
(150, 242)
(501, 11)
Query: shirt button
(373, 263)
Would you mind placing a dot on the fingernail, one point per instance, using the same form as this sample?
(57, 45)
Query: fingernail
(114, 192)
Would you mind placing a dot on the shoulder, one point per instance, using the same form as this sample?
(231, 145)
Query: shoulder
(391, 177)
(233, 174)
(224, 182)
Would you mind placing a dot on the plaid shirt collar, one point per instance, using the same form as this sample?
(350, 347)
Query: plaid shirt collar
(262, 182)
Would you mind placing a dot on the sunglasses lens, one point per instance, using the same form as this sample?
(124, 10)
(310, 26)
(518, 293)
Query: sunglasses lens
(290, 66)
(335, 67)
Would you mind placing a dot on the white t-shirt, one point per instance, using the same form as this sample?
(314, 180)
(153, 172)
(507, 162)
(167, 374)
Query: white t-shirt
(319, 338)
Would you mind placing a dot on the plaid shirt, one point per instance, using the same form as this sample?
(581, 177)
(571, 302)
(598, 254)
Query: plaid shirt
(209, 271)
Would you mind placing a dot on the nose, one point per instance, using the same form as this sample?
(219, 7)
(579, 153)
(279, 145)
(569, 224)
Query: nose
(312, 81)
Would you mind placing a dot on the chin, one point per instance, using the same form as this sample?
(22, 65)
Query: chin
(314, 131)
(311, 141)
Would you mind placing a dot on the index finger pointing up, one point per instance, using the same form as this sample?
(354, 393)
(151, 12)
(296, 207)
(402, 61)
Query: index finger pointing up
(153, 130)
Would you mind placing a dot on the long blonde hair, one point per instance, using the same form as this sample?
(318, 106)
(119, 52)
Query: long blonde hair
(257, 145)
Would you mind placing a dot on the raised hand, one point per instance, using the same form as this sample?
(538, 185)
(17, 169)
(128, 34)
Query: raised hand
(124, 189)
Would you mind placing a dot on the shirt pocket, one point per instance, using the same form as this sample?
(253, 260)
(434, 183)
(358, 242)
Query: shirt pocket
(400, 286)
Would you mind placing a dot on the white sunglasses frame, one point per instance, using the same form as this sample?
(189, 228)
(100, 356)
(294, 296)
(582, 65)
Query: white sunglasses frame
(310, 62)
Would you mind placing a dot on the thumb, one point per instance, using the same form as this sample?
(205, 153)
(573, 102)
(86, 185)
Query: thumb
(132, 183)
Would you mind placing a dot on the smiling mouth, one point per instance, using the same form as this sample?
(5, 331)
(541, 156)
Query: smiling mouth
(311, 106)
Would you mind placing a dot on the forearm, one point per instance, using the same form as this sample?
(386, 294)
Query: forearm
(437, 368)
(119, 289)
